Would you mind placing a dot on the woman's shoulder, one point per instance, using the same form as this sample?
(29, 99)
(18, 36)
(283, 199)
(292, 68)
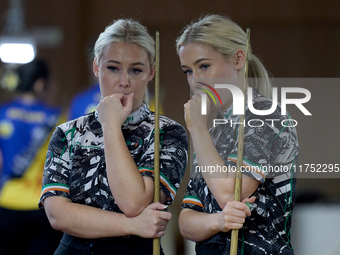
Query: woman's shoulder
(80, 122)
(164, 121)
(168, 123)
(168, 126)
(265, 108)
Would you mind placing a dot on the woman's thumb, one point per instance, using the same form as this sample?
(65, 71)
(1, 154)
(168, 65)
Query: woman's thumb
(249, 199)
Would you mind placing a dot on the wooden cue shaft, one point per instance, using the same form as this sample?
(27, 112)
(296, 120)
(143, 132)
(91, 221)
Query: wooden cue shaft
(238, 177)
(156, 241)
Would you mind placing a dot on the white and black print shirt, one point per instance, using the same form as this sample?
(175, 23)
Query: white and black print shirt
(75, 162)
(268, 144)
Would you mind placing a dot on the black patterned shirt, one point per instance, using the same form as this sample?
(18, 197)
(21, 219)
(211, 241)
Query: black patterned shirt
(270, 153)
(75, 162)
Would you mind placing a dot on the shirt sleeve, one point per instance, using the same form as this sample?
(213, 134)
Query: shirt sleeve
(270, 146)
(172, 159)
(57, 168)
(191, 198)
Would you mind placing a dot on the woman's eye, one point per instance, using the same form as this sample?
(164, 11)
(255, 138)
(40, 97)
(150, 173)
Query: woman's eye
(112, 68)
(204, 66)
(136, 70)
(187, 72)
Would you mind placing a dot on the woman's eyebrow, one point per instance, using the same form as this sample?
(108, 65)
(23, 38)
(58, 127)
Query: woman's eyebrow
(119, 63)
(196, 62)
(200, 60)
(137, 63)
(114, 61)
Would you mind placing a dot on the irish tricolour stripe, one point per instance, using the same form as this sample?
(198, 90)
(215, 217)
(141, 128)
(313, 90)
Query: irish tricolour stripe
(192, 200)
(164, 180)
(55, 187)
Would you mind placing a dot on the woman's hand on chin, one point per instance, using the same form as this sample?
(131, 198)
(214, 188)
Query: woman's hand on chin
(114, 109)
(193, 116)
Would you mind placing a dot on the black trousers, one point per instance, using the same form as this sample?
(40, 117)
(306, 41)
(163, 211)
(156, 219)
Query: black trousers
(70, 245)
(207, 250)
(27, 233)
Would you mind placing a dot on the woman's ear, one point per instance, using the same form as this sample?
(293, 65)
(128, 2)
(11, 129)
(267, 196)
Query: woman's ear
(152, 72)
(239, 59)
(95, 67)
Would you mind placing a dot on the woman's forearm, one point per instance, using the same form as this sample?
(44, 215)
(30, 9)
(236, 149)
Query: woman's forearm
(197, 226)
(89, 222)
(84, 221)
(222, 187)
(131, 191)
(220, 184)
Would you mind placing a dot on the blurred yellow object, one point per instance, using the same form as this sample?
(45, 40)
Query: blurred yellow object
(6, 129)
(10, 80)
(152, 106)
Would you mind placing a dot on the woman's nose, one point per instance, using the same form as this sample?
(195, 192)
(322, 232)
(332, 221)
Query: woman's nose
(125, 80)
(195, 77)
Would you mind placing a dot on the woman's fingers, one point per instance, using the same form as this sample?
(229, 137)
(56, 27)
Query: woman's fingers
(153, 221)
(234, 214)
(249, 200)
(115, 108)
(236, 209)
(156, 206)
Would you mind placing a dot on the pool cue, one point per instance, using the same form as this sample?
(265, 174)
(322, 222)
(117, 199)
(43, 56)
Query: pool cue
(238, 177)
(156, 241)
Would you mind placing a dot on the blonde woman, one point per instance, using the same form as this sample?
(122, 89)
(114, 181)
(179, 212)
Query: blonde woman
(98, 179)
(211, 48)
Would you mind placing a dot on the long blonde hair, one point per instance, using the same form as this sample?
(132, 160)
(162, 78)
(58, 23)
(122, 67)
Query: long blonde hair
(226, 37)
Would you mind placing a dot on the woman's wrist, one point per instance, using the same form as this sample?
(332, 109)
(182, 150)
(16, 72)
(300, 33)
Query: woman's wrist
(213, 223)
(198, 131)
(111, 128)
(128, 226)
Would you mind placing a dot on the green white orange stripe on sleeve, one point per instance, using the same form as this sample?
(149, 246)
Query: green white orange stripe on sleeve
(163, 179)
(192, 200)
(250, 166)
(55, 187)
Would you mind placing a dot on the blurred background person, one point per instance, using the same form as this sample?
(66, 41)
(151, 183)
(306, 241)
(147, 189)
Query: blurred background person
(85, 102)
(26, 124)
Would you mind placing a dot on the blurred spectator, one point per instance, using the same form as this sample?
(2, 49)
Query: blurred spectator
(26, 124)
(85, 102)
